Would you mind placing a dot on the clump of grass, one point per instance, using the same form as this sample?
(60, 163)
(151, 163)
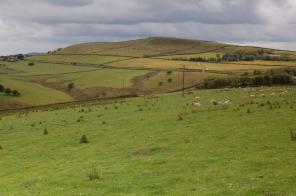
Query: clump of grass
(248, 111)
(104, 122)
(180, 118)
(293, 135)
(45, 132)
(83, 139)
(92, 174)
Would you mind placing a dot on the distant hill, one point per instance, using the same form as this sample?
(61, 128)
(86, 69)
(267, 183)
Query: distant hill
(161, 46)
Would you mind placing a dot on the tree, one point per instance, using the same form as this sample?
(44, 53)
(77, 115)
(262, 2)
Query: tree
(20, 57)
(7, 91)
(2, 88)
(16, 93)
(70, 86)
(83, 139)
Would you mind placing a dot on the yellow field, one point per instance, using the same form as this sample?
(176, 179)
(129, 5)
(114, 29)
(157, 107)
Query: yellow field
(268, 63)
(172, 64)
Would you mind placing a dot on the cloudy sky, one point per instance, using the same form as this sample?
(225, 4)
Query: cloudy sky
(41, 25)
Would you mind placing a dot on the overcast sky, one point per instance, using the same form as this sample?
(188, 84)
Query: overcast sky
(41, 25)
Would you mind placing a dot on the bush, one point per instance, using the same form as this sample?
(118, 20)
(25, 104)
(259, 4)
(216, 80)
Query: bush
(2, 88)
(45, 132)
(15, 93)
(169, 72)
(170, 80)
(83, 139)
(31, 64)
(7, 91)
(70, 86)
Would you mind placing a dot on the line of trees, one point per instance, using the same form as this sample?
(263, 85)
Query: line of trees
(9, 92)
(269, 78)
(238, 56)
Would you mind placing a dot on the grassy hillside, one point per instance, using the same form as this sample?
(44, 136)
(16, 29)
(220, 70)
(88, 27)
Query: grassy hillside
(144, 47)
(170, 146)
(159, 46)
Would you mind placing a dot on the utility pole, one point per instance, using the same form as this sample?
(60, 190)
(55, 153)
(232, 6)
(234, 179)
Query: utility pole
(183, 89)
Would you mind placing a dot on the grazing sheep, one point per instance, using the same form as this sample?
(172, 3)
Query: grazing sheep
(196, 104)
(223, 103)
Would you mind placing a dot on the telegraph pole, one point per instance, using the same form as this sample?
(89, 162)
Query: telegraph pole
(183, 89)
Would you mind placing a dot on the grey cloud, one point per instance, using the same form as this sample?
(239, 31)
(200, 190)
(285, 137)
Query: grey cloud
(70, 2)
(57, 23)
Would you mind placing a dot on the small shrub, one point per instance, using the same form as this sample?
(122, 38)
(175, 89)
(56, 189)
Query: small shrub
(293, 135)
(160, 83)
(83, 139)
(16, 93)
(93, 174)
(169, 72)
(31, 64)
(45, 132)
(7, 91)
(170, 80)
(2, 88)
(248, 111)
(180, 118)
(70, 86)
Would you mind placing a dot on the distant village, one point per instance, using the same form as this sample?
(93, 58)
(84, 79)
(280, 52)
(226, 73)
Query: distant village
(13, 58)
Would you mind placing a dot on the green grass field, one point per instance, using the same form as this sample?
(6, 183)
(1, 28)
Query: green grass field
(85, 59)
(207, 142)
(45, 68)
(155, 145)
(103, 77)
(32, 94)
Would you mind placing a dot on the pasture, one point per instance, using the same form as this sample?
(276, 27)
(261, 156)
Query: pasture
(171, 146)
(76, 59)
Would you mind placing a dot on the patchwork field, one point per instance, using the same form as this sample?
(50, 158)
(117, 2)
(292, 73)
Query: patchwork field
(174, 64)
(171, 146)
(131, 68)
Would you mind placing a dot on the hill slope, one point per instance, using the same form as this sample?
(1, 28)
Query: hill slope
(170, 147)
(160, 46)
